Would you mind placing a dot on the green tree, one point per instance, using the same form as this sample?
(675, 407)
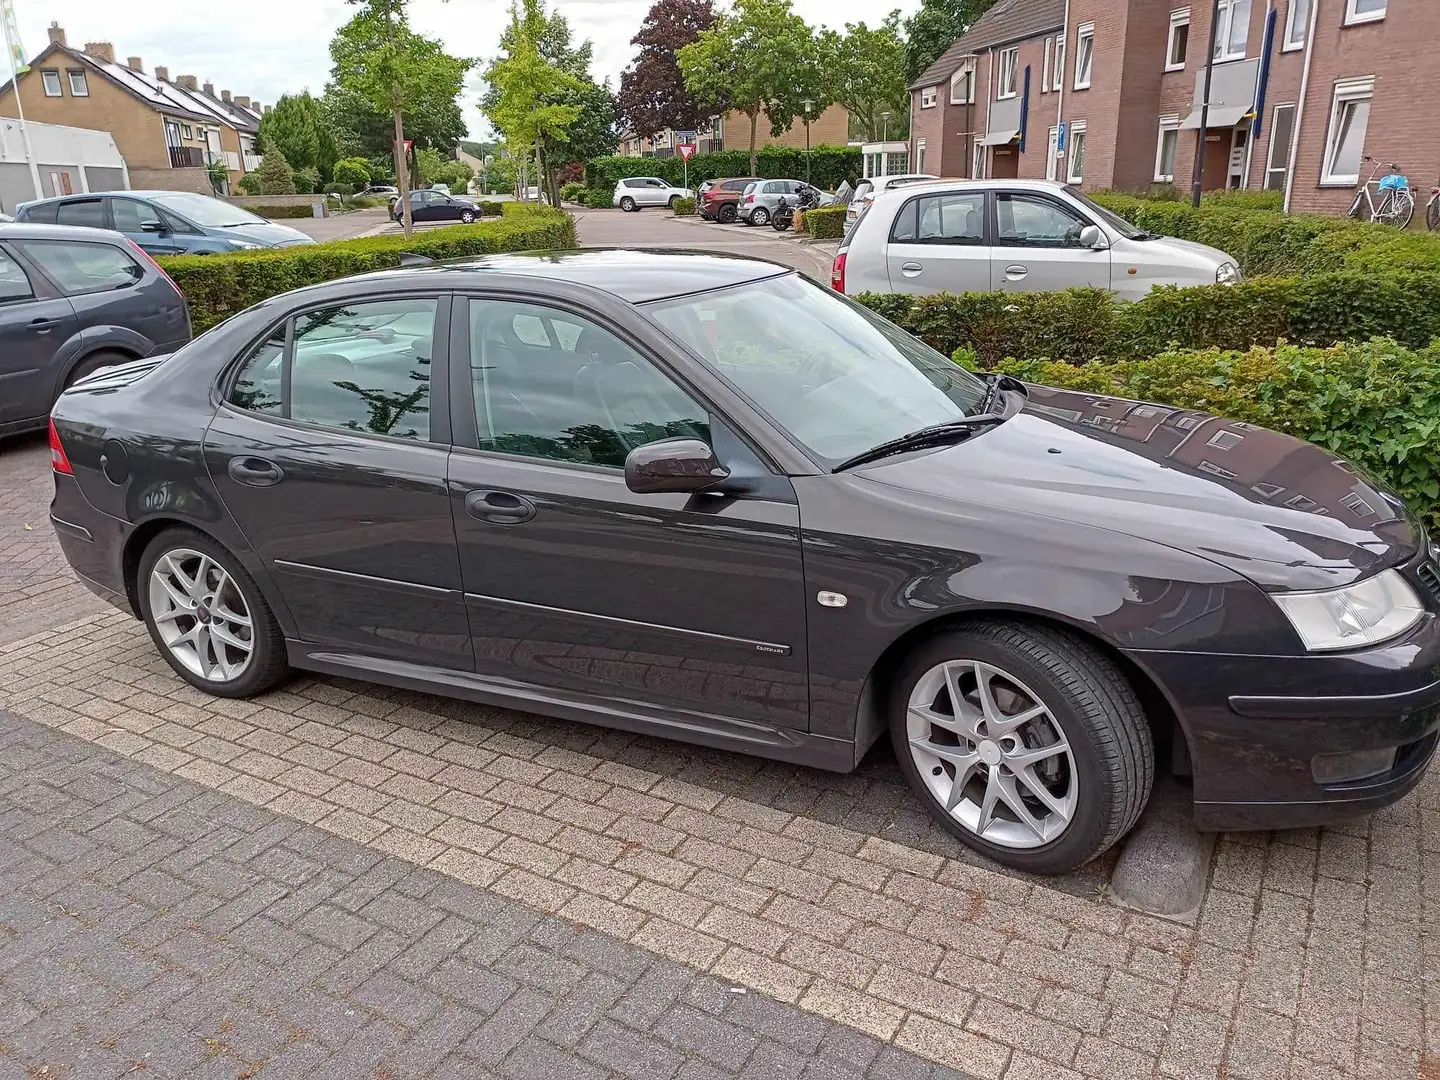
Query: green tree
(250, 184)
(275, 175)
(307, 180)
(761, 57)
(292, 126)
(351, 172)
(934, 28)
(864, 71)
(379, 60)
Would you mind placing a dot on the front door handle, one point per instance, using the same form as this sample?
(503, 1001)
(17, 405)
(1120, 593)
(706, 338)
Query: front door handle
(1014, 272)
(255, 472)
(500, 507)
(911, 269)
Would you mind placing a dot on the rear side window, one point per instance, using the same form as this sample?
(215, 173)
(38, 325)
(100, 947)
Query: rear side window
(79, 267)
(14, 285)
(88, 212)
(43, 214)
(941, 219)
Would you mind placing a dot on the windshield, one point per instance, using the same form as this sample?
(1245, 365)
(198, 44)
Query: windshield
(1114, 220)
(837, 377)
(205, 211)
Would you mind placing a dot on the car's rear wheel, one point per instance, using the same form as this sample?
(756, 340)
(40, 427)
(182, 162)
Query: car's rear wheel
(728, 213)
(207, 617)
(628, 204)
(1026, 743)
(759, 216)
(674, 200)
(93, 363)
(467, 216)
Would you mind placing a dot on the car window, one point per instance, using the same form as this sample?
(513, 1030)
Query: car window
(1032, 221)
(129, 215)
(584, 396)
(14, 285)
(89, 212)
(862, 190)
(361, 367)
(79, 267)
(656, 183)
(41, 215)
(955, 219)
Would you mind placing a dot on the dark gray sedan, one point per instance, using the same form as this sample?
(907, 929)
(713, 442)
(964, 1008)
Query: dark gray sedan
(73, 300)
(706, 498)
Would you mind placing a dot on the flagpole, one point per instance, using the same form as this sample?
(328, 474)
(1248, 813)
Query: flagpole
(12, 49)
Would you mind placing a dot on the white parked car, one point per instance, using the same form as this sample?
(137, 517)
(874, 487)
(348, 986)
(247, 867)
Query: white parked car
(638, 192)
(868, 188)
(1011, 236)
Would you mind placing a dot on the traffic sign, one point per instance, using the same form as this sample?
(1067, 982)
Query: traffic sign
(1060, 138)
(686, 150)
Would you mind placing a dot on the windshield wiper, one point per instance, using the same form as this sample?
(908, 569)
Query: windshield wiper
(934, 435)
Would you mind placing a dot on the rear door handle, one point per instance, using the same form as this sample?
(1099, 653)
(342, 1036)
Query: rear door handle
(255, 472)
(910, 269)
(500, 507)
(43, 326)
(1015, 271)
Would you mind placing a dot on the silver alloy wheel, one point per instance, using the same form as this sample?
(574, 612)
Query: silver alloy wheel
(992, 753)
(201, 615)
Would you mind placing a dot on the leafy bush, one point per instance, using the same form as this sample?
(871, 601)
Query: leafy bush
(825, 222)
(595, 198)
(307, 180)
(570, 190)
(490, 208)
(275, 175)
(274, 212)
(830, 166)
(217, 286)
(684, 207)
(353, 173)
(250, 184)
(1375, 403)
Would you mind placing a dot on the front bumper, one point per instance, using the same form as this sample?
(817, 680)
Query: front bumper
(1255, 725)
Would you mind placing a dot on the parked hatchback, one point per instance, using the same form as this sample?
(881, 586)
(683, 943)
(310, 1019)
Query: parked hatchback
(757, 204)
(637, 192)
(71, 302)
(871, 186)
(166, 222)
(427, 204)
(1012, 236)
(720, 199)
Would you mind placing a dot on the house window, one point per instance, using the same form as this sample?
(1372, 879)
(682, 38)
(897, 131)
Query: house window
(51, 81)
(1296, 23)
(927, 98)
(1355, 503)
(1345, 144)
(186, 132)
(977, 169)
(1363, 11)
(1165, 150)
(1084, 55)
(1266, 491)
(1009, 72)
(919, 155)
(1179, 41)
(1215, 470)
(1282, 131)
(1226, 440)
(1057, 77)
(78, 86)
(1232, 31)
(1076, 156)
(962, 85)
(1300, 502)
(1045, 70)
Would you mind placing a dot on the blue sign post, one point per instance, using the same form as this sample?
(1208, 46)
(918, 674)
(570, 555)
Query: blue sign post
(1060, 138)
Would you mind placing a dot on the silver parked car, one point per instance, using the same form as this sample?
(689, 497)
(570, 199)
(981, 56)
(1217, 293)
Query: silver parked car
(868, 188)
(757, 204)
(638, 192)
(1012, 235)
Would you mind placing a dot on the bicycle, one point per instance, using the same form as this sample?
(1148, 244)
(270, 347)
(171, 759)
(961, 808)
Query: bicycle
(1397, 200)
(1432, 211)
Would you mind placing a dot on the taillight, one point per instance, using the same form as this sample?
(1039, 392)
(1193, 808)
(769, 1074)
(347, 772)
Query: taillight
(146, 256)
(837, 273)
(749, 198)
(58, 461)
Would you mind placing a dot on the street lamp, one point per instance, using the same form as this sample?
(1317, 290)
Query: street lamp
(885, 127)
(808, 106)
(714, 132)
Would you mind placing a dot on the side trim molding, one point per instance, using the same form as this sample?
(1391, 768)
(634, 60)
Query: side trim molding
(306, 570)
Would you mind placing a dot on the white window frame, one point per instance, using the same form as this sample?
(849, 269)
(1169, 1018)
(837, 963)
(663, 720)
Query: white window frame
(45, 77)
(1177, 19)
(1083, 32)
(1346, 93)
(1168, 124)
(1045, 69)
(977, 164)
(1010, 56)
(1057, 75)
(919, 155)
(1284, 167)
(1359, 18)
(83, 89)
(1076, 132)
(928, 97)
(1223, 30)
(1296, 20)
(965, 76)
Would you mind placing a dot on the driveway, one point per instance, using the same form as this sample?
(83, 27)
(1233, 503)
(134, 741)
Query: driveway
(345, 226)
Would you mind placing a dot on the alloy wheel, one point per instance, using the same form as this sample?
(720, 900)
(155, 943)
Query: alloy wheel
(201, 615)
(992, 754)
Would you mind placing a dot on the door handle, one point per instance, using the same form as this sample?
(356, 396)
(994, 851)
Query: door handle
(43, 325)
(1015, 271)
(500, 507)
(910, 269)
(255, 472)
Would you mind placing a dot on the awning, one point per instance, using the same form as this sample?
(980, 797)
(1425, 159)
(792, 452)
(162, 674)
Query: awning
(1000, 138)
(1221, 116)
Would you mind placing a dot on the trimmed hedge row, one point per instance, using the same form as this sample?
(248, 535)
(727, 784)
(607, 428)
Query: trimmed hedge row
(825, 222)
(1083, 325)
(830, 166)
(274, 212)
(684, 207)
(218, 286)
(1375, 403)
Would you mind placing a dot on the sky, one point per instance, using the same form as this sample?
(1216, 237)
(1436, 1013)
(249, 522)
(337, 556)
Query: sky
(264, 48)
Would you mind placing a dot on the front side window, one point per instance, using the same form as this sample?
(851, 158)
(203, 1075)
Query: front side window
(1076, 156)
(1165, 152)
(205, 211)
(50, 80)
(1297, 21)
(1034, 221)
(83, 268)
(87, 212)
(1178, 44)
(1084, 55)
(1232, 31)
(130, 215)
(1009, 72)
(14, 284)
(837, 377)
(78, 86)
(1345, 146)
(362, 367)
(1357, 11)
(955, 219)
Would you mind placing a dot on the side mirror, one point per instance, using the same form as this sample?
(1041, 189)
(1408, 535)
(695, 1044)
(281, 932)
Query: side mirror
(152, 226)
(1091, 237)
(673, 465)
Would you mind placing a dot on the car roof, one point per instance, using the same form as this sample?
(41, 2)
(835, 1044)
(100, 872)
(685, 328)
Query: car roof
(21, 230)
(971, 185)
(636, 275)
(144, 194)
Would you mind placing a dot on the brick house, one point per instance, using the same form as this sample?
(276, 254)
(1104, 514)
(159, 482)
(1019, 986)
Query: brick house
(828, 128)
(1324, 82)
(167, 130)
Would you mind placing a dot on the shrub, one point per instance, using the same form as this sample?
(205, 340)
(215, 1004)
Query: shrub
(830, 166)
(274, 212)
(684, 207)
(825, 222)
(250, 184)
(352, 172)
(570, 190)
(307, 180)
(595, 198)
(276, 177)
(490, 208)
(217, 286)
(1375, 403)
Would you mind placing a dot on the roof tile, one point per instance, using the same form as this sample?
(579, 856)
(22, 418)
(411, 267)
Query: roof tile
(1007, 21)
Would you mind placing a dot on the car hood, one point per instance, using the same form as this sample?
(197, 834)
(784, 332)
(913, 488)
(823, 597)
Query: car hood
(1191, 481)
(269, 234)
(1186, 250)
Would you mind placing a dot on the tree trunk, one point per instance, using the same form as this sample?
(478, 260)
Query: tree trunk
(402, 174)
(754, 123)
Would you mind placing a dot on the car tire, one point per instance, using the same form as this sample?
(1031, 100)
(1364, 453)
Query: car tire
(760, 217)
(628, 205)
(93, 363)
(467, 217)
(183, 571)
(674, 199)
(728, 213)
(1097, 775)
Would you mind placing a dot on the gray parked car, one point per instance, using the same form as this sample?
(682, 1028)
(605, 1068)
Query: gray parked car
(72, 301)
(758, 203)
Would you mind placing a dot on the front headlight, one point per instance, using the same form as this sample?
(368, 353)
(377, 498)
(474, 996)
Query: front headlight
(1228, 274)
(244, 245)
(1365, 613)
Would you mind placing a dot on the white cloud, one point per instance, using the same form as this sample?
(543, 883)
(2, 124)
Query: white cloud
(264, 48)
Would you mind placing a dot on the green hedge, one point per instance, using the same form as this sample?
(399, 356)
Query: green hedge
(596, 198)
(825, 222)
(684, 207)
(830, 166)
(1081, 325)
(218, 286)
(275, 212)
(490, 208)
(1375, 403)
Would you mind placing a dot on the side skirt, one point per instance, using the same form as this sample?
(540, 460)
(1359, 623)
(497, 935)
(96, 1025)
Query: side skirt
(706, 729)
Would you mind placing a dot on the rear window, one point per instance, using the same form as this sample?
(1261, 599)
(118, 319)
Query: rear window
(88, 212)
(44, 214)
(79, 267)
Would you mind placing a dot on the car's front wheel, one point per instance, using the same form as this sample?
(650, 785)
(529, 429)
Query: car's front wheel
(728, 213)
(467, 216)
(628, 204)
(207, 617)
(1025, 742)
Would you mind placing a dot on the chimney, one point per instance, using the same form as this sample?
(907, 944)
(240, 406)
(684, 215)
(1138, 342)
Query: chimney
(267, 109)
(255, 107)
(243, 102)
(101, 50)
(57, 34)
(209, 89)
(187, 82)
(162, 73)
(134, 64)
(225, 96)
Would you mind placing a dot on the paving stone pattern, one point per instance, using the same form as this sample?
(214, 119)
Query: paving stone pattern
(155, 927)
(1313, 955)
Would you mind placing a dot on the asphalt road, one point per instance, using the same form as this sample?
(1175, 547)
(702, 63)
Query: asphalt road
(660, 229)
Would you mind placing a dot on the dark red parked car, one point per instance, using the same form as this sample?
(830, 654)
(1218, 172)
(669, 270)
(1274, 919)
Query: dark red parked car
(721, 200)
